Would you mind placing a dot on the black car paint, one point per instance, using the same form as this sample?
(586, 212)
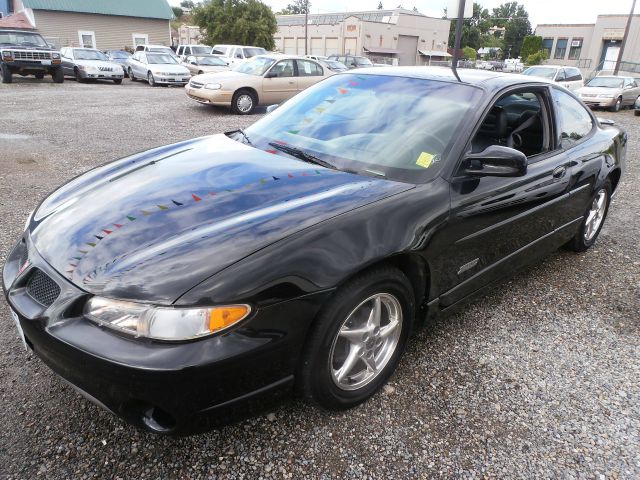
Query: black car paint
(453, 236)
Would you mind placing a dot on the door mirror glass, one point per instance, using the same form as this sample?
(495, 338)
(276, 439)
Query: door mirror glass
(496, 161)
(271, 108)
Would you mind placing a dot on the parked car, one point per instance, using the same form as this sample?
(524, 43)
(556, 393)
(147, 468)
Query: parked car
(199, 64)
(182, 284)
(636, 108)
(612, 92)
(513, 65)
(334, 65)
(90, 64)
(352, 61)
(235, 54)
(569, 77)
(157, 69)
(155, 49)
(27, 53)
(185, 50)
(121, 57)
(262, 80)
(317, 58)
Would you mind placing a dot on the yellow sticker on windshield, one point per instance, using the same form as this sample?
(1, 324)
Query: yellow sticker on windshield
(425, 160)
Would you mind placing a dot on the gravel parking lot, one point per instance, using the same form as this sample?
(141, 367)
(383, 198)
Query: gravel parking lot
(540, 378)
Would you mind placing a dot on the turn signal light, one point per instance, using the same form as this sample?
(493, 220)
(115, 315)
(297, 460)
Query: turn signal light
(223, 317)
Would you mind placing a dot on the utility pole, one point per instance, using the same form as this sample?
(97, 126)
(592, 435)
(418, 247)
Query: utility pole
(624, 39)
(456, 45)
(306, 25)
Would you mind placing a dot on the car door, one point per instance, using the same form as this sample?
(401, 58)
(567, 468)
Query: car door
(561, 77)
(67, 61)
(498, 224)
(140, 65)
(191, 64)
(630, 92)
(308, 73)
(279, 83)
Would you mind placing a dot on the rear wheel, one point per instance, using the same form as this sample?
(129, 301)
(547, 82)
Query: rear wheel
(7, 76)
(617, 105)
(593, 219)
(58, 75)
(358, 339)
(243, 102)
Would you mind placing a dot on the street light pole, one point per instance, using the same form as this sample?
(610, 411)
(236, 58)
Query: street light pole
(456, 45)
(624, 39)
(306, 25)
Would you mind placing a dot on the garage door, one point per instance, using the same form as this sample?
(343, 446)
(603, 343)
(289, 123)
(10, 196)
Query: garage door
(289, 46)
(408, 49)
(333, 47)
(351, 45)
(300, 46)
(317, 48)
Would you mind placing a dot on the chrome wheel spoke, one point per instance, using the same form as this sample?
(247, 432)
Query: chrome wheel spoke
(596, 215)
(376, 313)
(354, 335)
(370, 362)
(389, 329)
(349, 363)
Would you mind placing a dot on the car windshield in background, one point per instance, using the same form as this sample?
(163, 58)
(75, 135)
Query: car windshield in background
(334, 64)
(120, 55)
(255, 66)
(201, 50)
(81, 54)
(549, 73)
(607, 82)
(212, 61)
(363, 62)
(161, 50)
(219, 51)
(25, 39)
(253, 51)
(382, 125)
(161, 58)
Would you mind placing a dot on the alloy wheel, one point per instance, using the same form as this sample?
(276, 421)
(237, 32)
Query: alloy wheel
(151, 80)
(595, 215)
(366, 341)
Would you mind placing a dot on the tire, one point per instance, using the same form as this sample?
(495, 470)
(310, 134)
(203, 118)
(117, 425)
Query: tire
(243, 102)
(117, 81)
(7, 76)
(58, 75)
(79, 78)
(131, 76)
(585, 238)
(200, 72)
(636, 113)
(618, 104)
(39, 76)
(326, 351)
(151, 80)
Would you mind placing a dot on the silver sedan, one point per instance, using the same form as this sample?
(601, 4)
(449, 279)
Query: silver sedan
(157, 69)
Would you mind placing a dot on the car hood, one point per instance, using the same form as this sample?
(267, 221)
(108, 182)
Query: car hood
(599, 91)
(152, 226)
(168, 68)
(97, 63)
(226, 76)
(212, 68)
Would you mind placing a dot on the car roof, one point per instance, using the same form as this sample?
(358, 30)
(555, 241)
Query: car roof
(481, 78)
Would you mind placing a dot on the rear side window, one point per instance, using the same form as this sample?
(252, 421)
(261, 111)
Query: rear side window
(574, 121)
(573, 74)
(219, 50)
(561, 76)
(308, 69)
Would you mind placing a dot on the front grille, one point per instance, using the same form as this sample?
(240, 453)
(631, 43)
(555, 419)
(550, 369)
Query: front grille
(195, 84)
(105, 69)
(42, 288)
(20, 55)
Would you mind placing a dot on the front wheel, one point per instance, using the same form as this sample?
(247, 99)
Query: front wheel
(358, 339)
(7, 76)
(58, 75)
(243, 102)
(151, 80)
(593, 219)
(132, 76)
(636, 113)
(117, 81)
(78, 76)
(39, 76)
(617, 105)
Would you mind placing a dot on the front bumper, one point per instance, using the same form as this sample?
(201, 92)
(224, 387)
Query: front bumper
(220, 98)
(33, 65)
(164, 387)
(180, 80)
(99, 75)
(599, 102)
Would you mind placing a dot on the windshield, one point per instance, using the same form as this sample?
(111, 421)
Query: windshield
(253, 51)
(200, 50)
(397, 127)
(549, 73)
(161, 50)
(157, 58)
(219, 50)
(334, 64)
(120, 55)
(255, 66)
(213, 61)
(365, 62)
(27, 39)
(86, 54)
(607, 82)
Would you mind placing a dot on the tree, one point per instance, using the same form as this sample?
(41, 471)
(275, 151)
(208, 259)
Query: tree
(297, 7)
(530, 45)
(472, 28)
(515, 19)
(242, 22)
(537, 58)
(177, 12)
(470, 53)
(380, 7)
(187, 4)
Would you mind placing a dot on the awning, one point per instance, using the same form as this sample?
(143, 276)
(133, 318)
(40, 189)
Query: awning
(391, 51)
(19, 21)
(433, 53)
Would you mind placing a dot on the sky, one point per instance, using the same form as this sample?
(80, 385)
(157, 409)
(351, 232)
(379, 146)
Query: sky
(540, 11)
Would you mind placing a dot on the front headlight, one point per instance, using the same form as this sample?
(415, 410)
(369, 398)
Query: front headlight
(163, 323)
(213, 86)
(55, 55)
(87, 68)
(26, 224)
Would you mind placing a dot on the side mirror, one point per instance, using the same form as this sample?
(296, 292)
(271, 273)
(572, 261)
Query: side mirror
(271, 108)
(270, 75)
(194, 63)
(496, 161)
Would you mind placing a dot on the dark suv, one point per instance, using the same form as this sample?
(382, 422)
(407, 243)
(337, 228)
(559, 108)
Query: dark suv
(27, 53)
(352, 61)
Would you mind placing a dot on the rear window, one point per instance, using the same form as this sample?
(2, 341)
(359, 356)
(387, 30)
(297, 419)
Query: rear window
(219, 50)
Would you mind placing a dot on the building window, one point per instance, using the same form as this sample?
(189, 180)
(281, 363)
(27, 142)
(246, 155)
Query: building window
(576, 47)
(547, 45)
(561, 48)
(140, 39)
(87, 39)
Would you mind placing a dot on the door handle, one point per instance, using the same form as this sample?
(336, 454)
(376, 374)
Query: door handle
(559, 172)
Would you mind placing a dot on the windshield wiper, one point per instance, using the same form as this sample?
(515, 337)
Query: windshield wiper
(302, 155)
(246, 137)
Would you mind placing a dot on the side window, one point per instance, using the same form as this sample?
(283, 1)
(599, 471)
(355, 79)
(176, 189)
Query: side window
(561, 76)
(187, 51)
(308, 69)
(283, 68)
(573, 74)
(191, 60)
(238, 53)
(574, 121)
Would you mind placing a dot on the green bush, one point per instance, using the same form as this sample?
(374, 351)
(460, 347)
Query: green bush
(469, 53)
(537, 58)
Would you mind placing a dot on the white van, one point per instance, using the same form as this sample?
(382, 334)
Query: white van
(568, 77)
(237, 53)
(186, 50)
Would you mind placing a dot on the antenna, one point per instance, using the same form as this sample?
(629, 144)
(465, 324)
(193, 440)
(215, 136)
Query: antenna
(456, 46)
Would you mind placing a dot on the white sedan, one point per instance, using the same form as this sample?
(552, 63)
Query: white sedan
(157, 69)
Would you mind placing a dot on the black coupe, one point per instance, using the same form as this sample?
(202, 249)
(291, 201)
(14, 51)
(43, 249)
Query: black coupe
(185, 282)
